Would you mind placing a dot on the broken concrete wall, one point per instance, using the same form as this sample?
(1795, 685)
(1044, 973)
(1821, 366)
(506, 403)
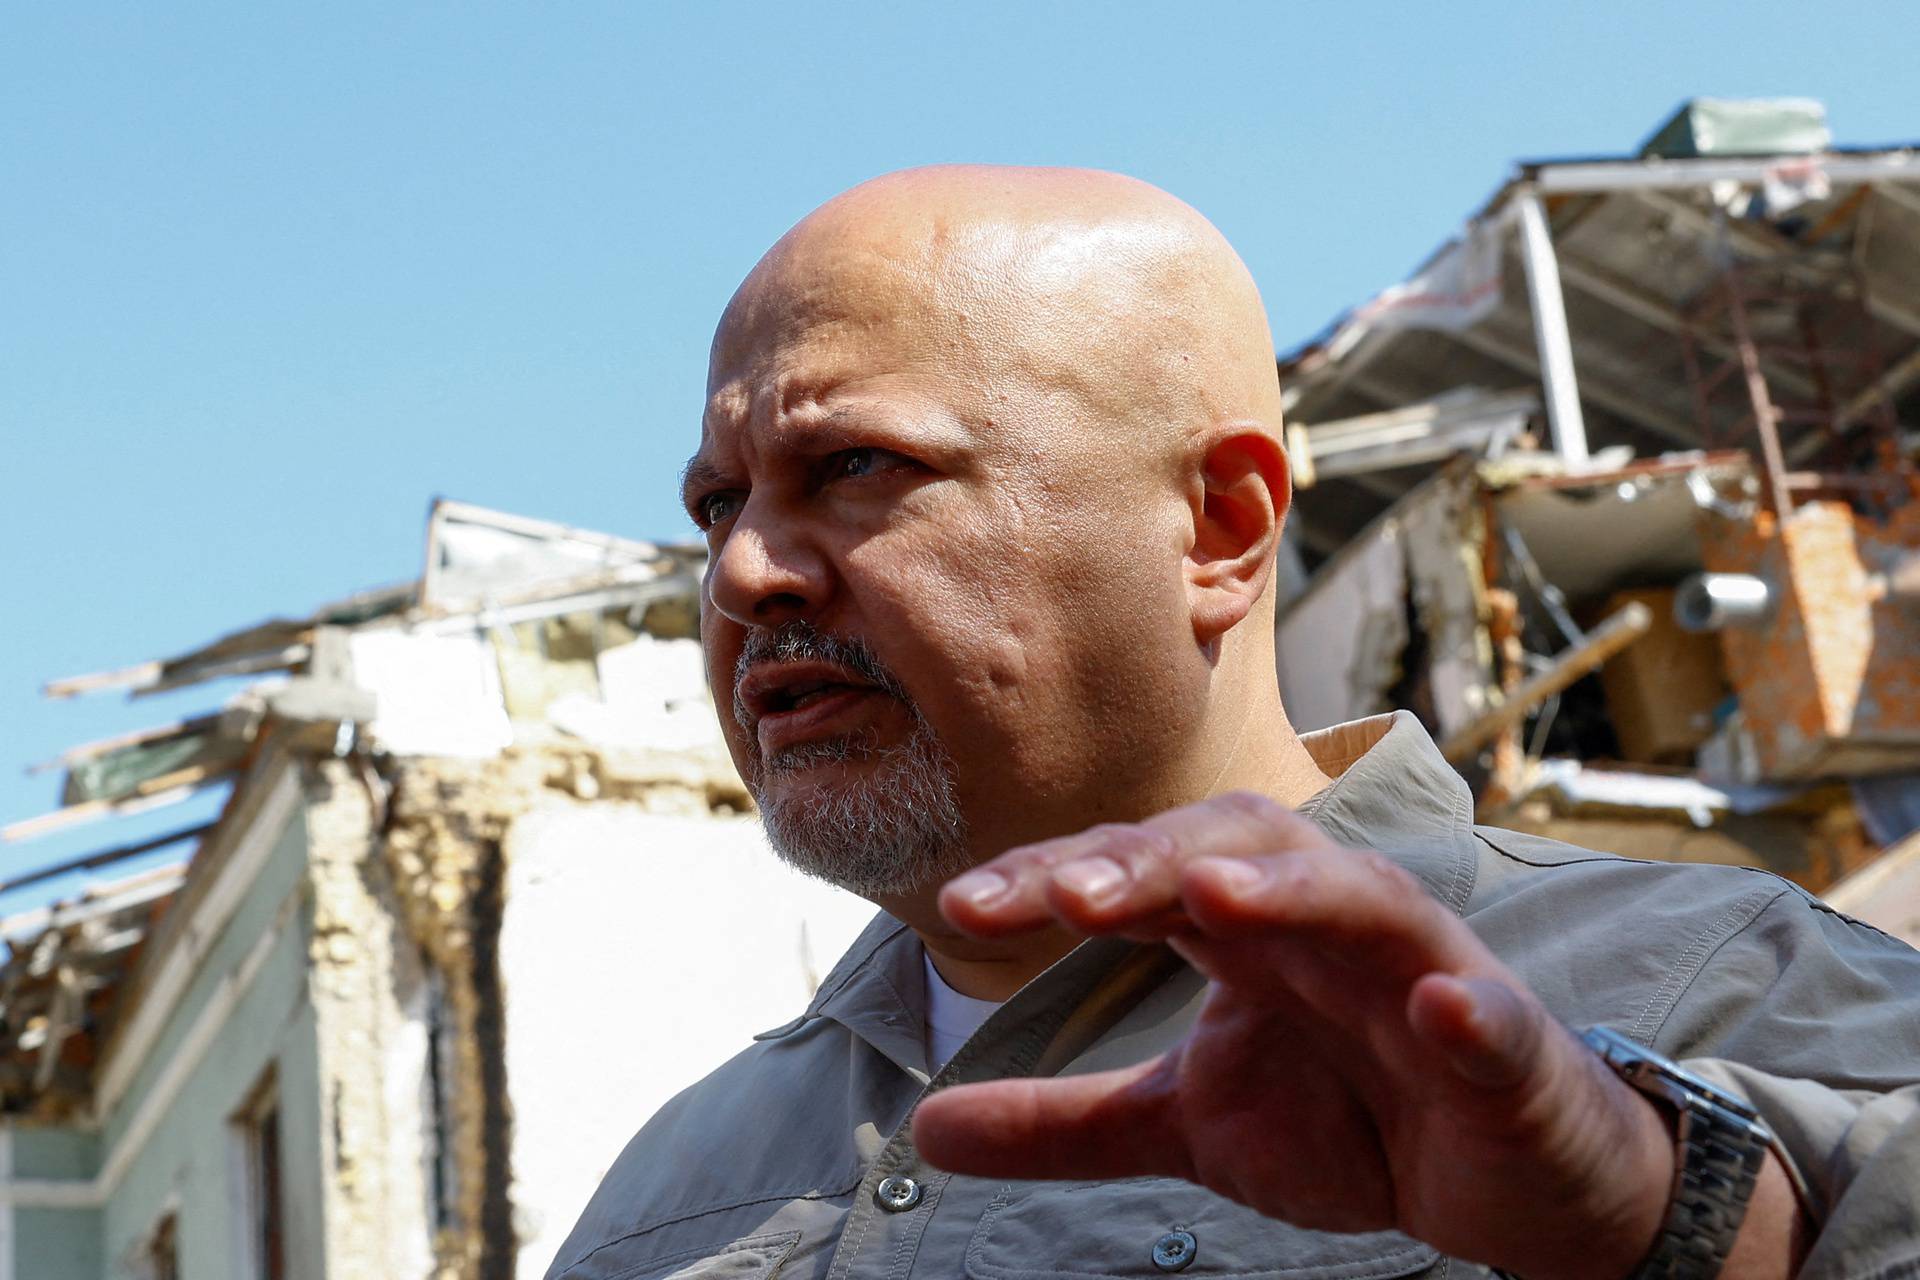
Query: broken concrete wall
(1339, 647)
(607, 925)
(446, 822)
(1397, 617)
(366, 980)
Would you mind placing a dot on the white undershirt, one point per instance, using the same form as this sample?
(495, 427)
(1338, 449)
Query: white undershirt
(951, 1017)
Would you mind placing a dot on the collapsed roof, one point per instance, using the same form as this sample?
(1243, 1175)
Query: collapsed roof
(1818, 246)
(459, 655)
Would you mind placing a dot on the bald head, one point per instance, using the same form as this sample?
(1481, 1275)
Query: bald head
(1010, 438)
(1092, 284)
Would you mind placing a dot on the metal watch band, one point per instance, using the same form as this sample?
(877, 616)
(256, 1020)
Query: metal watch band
(1721, 1147)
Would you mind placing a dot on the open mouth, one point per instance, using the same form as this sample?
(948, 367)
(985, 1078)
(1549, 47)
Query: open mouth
(806, 693)
(780, 689)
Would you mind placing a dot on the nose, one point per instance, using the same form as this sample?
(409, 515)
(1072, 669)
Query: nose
(764, 574)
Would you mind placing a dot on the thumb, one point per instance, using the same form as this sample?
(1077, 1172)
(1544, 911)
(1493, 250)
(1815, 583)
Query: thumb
(1112, 1124)
(1488, 1032)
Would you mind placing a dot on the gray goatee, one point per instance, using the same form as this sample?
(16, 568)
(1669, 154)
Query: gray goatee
(893, 830)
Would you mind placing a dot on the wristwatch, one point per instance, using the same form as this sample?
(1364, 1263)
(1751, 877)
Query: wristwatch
(1721, 1145)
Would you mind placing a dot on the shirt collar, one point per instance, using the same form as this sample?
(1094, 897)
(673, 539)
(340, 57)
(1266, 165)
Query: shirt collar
(878, 992)
(1394, 792)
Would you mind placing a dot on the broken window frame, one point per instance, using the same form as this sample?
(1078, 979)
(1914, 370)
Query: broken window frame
(439, 1142)
(259, 1184)
(160, 1250)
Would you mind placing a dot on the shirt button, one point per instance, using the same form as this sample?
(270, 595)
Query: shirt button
(1174, 1251)
(898, 1193)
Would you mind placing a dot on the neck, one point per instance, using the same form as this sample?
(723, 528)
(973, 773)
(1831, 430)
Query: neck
(1262, 754)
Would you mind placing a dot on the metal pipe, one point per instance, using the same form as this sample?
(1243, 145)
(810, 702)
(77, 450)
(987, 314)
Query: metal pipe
(1711, 601)
(1903, 580)
(1550, 335)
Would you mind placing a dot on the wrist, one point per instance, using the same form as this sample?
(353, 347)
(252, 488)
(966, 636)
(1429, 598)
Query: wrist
(1625, 1225)
(1608, 1217)
(1719, 1149)
(1652, 1138)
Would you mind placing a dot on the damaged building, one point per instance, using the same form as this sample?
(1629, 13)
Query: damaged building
(1617, 493)
(451, 939)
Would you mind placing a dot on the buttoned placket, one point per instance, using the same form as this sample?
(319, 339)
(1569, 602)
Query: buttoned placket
(901, 1194)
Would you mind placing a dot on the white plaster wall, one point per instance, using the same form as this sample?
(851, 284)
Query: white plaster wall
(639, 951)
(1337, 648)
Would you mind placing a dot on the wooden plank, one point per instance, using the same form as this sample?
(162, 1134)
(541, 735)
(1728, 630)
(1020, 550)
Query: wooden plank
(145, 796)
(1886, 892)
(100, 746)
(103, 858)
(1620, 629)
(73, 686)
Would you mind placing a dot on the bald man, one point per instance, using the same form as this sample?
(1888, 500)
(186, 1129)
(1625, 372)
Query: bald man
(991, 478)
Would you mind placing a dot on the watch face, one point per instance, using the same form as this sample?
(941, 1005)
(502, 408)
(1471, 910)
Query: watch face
(1660, 1076)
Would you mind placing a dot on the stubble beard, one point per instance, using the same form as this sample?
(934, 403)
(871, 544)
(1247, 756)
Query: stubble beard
(890, 829)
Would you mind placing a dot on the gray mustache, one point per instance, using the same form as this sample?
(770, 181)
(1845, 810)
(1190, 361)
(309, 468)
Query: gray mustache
(801, 641)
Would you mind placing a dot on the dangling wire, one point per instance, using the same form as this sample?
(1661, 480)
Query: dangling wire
(1549, 595)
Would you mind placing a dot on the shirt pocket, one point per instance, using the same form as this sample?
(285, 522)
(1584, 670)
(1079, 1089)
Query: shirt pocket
(749, 1258)
(1153, 1228)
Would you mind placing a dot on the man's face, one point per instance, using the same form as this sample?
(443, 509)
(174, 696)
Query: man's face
(941, 615)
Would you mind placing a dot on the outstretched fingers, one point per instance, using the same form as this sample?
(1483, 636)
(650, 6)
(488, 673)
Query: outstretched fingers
(1361, 942)
(1122, 878)
(1113, 1124)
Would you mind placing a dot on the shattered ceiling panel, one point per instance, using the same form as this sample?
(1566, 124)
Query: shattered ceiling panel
(477, 558)
(59, 985)
(1626, 529)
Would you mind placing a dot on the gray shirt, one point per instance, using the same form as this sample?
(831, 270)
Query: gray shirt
(797, 1156)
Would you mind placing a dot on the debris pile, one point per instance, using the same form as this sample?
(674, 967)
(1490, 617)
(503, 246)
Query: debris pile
(1619, 493)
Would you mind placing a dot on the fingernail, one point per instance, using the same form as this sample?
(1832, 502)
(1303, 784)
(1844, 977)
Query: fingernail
(979, 888)
(1095, 879)
(1235, 875)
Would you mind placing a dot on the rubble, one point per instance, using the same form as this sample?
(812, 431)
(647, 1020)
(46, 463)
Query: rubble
(1715, 337)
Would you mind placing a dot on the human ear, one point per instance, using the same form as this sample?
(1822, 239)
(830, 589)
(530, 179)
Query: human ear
(1239, 497)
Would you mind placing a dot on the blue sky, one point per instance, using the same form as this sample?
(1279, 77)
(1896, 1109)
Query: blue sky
(272, 277)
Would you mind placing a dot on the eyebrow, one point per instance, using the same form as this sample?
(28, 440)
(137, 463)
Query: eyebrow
(701, 473)
(697, 476)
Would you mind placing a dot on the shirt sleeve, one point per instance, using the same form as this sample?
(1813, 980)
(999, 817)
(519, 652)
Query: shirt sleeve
(1857, 1154)
(1814, 1018)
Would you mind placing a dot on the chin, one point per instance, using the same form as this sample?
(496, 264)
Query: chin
(881, 822)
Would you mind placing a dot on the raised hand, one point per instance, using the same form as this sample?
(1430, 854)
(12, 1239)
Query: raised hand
(1362, 1061)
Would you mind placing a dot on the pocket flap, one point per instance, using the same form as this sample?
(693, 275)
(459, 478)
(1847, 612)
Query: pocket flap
(749, 1258)
(1113, 1229)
